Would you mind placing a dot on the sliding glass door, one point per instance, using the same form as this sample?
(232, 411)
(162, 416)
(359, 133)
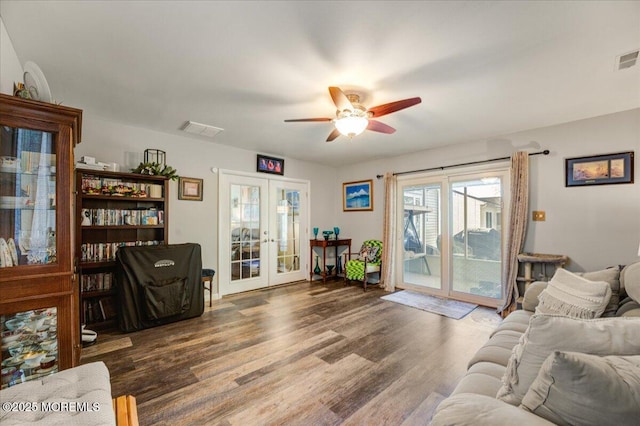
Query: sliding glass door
(453, 240)
(422, 242)
(476, 237)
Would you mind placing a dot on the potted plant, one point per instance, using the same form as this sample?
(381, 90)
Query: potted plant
(156, 169)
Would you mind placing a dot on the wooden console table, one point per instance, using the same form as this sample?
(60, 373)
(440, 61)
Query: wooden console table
(336, 244)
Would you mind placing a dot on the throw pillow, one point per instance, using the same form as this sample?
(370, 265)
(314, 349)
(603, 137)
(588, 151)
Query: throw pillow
(630, 280)
(372, 254)
(548, 333)
(368, 253)
(364, 250)
(611, 276)
(572, 295)
(579, 389)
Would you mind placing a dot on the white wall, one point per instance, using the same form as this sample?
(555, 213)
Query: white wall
(189, 221)
(10, 68)
(195, 221)
(596, 227)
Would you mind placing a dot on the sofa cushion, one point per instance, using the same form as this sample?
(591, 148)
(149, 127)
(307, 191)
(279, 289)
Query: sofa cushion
(86, 388)
(497, 349)
(515, 321)
(612, 277)
(547, 333)
(483, 378)
(530, 298)
(570, 294)
(629, 309)
(573, 388)
(467, 409)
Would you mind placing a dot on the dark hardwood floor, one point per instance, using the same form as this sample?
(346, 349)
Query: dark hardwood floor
(307, 354)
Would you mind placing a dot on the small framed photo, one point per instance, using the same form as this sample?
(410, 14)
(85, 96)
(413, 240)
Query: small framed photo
(604, 169)
(190, 189)
(357, 196)
(270, 165)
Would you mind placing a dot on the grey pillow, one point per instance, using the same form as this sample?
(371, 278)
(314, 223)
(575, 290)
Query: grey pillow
(548, 333)
(630, 280)
(580, 389)
(612, 277)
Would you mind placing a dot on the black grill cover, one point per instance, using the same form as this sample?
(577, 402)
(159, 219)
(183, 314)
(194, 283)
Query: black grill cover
(157, 285)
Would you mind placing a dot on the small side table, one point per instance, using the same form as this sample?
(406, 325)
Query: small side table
(343, 242)
(207, 278)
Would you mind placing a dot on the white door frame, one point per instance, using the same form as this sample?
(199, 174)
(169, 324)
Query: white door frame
(267, 246)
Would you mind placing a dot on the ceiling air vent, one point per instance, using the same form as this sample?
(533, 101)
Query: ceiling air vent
(627, 60)
(201, 129)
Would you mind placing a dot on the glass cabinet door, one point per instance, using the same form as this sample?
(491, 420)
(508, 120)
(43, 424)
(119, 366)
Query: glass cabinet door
(29, 345)
(27, 197)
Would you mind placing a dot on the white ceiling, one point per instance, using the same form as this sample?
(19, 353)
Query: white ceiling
(482, 69)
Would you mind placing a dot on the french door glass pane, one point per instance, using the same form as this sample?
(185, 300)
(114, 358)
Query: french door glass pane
(422, 235)
(476, 210)
(288, 230)
(245, 231)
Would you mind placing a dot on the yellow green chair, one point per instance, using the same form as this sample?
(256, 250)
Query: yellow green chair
(367, 267)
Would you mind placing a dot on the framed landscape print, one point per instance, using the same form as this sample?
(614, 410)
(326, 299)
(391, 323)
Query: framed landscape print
(190, 189)
(604, 169)
(357, 196)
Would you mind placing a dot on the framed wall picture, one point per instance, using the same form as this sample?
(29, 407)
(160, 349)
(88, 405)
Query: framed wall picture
(190, 189)
(271, 165)
(604, 169)
(357, 196)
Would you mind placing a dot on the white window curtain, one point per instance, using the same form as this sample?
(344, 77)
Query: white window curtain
(389, 232)
(517, 228)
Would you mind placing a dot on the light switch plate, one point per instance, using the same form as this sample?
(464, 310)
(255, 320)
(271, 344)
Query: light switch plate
(539, 215)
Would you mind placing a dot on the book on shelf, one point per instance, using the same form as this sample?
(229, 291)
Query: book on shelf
(107, 308)
(100, 281)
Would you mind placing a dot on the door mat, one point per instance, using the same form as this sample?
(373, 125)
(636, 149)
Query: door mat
(438, 305)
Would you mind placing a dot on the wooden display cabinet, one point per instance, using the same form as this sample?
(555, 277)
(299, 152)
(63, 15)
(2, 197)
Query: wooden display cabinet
(113, 209)
(38, 292)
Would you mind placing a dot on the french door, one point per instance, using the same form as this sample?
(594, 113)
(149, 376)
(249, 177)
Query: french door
(263, 224)
(452, 235)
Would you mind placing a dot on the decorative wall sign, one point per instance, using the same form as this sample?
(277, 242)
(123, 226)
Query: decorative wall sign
(270, 165)
(357, 196)
(604, 169)
(190, 189)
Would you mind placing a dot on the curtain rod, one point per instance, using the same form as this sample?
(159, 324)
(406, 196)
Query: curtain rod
(545, 152)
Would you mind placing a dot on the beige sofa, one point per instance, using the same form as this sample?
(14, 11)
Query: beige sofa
(479, 397)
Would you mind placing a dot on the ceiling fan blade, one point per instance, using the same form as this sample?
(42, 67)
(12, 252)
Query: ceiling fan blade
(340, 99)
(307, 119)
(377, 126)
(385, 109)
(333, 135)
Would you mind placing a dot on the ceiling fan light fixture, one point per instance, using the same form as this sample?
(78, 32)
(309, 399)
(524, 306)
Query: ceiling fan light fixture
(352, 118)
(351, 125)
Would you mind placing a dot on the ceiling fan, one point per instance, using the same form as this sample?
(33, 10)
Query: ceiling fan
(352, 118)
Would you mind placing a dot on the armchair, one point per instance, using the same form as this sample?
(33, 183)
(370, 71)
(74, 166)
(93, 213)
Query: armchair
(366, 266)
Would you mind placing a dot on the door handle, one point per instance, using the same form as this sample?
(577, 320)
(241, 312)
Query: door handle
(265, 240)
